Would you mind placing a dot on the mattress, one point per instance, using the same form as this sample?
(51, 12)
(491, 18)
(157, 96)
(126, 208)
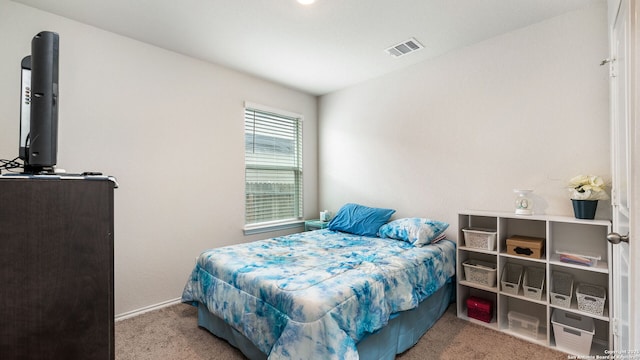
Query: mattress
(316, 294)
(402, 332)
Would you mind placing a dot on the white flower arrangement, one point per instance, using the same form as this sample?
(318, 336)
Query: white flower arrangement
(587, 187)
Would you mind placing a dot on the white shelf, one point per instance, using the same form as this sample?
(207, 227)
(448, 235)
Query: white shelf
(542, 301)
(553, 218)
(541, 339)
(493, 324)
(558, 232)
(484, 251)
(533, 260)
(478, 286)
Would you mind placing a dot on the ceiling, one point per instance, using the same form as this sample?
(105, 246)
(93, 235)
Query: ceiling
(316, 48)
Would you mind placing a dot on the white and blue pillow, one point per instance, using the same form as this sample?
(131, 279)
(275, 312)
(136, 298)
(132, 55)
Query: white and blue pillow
(417, 231)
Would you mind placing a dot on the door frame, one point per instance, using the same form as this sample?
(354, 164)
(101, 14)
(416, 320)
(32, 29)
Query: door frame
(634, 158)
(634, 153)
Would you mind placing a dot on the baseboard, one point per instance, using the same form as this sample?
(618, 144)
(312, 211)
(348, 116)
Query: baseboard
(130, 314)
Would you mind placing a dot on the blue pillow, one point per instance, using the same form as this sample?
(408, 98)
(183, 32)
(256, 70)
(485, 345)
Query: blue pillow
(359, 219)
(417, 231)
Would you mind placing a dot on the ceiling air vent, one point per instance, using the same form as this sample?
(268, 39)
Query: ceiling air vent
(404, 48)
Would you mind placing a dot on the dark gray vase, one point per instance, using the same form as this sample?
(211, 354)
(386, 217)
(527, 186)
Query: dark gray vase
(585, 209)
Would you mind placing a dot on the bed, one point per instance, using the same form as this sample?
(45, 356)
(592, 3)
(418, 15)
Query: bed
(323, 294)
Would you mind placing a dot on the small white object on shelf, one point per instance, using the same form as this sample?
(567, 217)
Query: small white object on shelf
(523, 203)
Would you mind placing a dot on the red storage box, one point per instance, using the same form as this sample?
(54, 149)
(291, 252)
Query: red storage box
(479, 308)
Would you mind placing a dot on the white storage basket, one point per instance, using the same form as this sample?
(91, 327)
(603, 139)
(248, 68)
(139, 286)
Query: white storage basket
(573, 332)
(591, 298)
(511, 278)
(480, 272)
(561, 289)
(533, 282)
(480, 238)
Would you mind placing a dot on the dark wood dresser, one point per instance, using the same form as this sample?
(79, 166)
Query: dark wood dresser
(56, 269)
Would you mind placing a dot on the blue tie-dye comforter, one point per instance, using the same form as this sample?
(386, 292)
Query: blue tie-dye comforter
(314, 295)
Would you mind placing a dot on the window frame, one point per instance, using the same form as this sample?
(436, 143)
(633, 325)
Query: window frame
(285, 223)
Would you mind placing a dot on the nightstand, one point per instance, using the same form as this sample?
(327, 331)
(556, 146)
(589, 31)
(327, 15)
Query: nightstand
(315, 224)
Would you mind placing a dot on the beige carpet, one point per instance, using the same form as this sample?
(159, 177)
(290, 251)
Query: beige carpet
(173, 333)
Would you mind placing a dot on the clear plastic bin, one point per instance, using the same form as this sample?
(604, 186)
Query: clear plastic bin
(578, 259)
(511, 278)
(561, 289)
(533, 282)
(523, 324)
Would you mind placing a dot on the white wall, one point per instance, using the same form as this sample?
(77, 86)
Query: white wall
(169, 127)
(528, 109)
(524, 110)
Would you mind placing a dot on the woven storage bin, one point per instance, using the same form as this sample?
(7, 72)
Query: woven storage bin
(591, 298)
(533, 282)
(480, 272)
(511, 278)
(561, 289)
(480, 238)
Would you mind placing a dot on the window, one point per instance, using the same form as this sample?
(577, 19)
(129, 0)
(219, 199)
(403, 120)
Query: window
(273, 165)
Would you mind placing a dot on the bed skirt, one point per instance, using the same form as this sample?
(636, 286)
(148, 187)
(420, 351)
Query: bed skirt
(403, 331)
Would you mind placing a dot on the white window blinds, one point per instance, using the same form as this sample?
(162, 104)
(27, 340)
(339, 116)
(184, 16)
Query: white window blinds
(273, 166)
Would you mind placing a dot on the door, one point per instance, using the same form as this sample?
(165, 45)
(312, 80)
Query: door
(622, 118)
